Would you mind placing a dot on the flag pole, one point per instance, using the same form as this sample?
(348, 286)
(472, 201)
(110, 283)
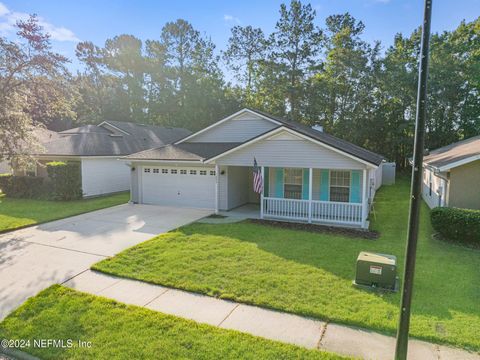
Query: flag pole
(401, 348)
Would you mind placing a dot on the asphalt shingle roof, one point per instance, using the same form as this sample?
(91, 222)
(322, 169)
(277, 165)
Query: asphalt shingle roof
(93, 140)
(452, 153)
(203, 151)
(330, 140)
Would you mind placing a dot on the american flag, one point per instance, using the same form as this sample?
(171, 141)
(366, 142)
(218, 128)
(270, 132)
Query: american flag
(257, 177)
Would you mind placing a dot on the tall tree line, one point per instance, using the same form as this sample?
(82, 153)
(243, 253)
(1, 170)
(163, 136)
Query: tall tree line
(313, 74)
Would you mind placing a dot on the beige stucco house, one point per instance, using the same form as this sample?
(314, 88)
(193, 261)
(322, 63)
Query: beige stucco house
(451, 175)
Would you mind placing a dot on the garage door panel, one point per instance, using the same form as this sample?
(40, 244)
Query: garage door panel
(187, 187)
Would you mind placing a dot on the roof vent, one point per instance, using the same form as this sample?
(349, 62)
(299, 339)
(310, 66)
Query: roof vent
(317, 127)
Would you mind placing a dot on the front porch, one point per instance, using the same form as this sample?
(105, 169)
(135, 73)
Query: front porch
(340, 213)
(323, 196)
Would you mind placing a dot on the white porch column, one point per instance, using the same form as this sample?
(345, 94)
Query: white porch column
(217, 184)
(262, 193)
(364, 200)
(310, 180)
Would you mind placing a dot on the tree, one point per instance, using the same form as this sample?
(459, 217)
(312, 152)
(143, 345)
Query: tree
(197, 96)
(34, 88)
(296, 46)
(246, 50)
(123, 57)
(96, 88)
(341, 90)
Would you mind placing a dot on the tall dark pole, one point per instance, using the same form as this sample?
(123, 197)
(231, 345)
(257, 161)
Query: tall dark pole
(416, 189)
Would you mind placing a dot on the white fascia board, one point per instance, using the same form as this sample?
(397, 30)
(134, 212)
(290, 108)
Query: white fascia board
(245, 110)
(459, 163)
(293, 132)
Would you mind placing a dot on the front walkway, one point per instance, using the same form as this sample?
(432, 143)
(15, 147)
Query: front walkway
(34, 258)
(247, 211)
(274, 325)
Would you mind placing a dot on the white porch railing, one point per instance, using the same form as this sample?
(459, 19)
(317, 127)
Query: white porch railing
(337, 212)
(285, 208)
(313, 210)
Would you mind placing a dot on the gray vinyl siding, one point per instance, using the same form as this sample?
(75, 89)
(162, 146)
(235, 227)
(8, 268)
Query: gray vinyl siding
(223, 188)
(253, 197)
(290, 153)
(237, 186)
(238, 129)
(135, 184)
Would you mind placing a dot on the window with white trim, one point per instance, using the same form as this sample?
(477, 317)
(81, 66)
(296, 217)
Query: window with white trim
(340, 185)
(173, 171)
(156, 171)
(203, 172)
(147, 170)
(183, 172)
(193, 172)
(164, 171)
(292, 183)
(212, 172)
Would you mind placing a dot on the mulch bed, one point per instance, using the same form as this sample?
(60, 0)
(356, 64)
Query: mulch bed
(315, 228)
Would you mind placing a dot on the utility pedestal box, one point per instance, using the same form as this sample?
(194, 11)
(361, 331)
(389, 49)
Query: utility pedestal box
(377, 271)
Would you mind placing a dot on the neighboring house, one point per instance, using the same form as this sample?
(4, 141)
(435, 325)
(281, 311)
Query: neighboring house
(98, 147)
(451, 175)
(308, 175)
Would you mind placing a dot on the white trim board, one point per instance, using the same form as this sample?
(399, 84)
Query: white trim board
(458, 163)
(245, 110)
(295, 133)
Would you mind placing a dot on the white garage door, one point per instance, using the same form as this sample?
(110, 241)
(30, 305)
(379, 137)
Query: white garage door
(179, 186)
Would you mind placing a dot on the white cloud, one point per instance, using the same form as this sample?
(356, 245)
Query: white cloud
(230, 18)
(3, 9)
(9, 18)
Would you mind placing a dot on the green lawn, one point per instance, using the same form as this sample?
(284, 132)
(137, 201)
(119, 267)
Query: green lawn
(17, 213)
(119, 331)
(311, 274)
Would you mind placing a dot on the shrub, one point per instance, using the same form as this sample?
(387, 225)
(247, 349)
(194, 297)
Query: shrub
(22, 186)
(66, 180)
(457, 225)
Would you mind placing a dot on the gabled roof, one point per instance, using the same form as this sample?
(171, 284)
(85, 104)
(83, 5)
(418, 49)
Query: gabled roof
(453, 155)
(330, 140)
(203, 151)
(103, 140)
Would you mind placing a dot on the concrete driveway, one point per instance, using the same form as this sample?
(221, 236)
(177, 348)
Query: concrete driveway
(34, 258)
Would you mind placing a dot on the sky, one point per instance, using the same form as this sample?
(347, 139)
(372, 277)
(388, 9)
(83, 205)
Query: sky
(69, 22)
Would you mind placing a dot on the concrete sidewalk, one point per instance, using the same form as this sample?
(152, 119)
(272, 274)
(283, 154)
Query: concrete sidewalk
(274, 325)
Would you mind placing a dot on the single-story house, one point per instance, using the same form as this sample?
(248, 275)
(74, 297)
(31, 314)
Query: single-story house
(451, 175)
(98, 147)
(308, 175)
